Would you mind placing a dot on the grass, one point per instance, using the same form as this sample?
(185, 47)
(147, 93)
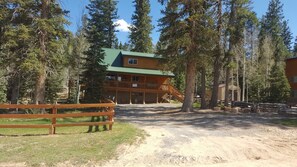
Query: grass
(196, 105)
(70, 144)
(288, 122)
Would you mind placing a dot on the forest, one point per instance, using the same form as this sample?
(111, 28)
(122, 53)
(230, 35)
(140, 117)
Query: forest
(204, 42)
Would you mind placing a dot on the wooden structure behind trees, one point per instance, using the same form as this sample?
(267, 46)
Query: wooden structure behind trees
(109, 112)
(135, 77)
(291, 73)
(235, 89)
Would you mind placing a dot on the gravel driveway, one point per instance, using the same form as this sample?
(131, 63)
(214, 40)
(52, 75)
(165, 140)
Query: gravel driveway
(205, 138)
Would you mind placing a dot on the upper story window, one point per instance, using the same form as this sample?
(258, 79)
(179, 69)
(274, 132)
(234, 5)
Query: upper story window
(132, 61)
(295, 79)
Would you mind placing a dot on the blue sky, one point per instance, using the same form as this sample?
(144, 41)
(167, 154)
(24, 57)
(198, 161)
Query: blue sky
(126, 9)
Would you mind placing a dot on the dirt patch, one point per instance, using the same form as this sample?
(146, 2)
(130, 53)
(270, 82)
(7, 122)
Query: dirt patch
(205, 139)
(12, 164)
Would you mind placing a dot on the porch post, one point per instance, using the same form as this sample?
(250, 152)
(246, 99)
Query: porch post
(130, 88)
(144, 88)
(116, 98)
(143, 97)
(130, 97)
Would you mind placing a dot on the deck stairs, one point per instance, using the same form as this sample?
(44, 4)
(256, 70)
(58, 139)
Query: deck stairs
(173, 92)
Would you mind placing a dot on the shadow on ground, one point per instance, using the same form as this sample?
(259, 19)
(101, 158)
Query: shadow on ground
(164, 114)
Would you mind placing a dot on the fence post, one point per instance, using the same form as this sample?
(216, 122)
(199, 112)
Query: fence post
(54, 120)
(110, 117)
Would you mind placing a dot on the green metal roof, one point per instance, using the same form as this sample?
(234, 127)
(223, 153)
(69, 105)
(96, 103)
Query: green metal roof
(113, 57)
(139, 54)
(114, 60)
(139, 71)
(292, 58)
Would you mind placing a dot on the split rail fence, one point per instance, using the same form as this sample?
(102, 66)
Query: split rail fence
(53, 115)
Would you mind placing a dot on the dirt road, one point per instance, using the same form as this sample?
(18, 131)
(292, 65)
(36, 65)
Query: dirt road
(205, 139)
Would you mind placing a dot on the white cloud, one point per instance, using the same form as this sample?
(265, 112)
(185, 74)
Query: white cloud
(122, 25)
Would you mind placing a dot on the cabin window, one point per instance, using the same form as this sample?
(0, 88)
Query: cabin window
(135, 78)
(132, 61)
(110, 77)
(295, 79)
(295, 93)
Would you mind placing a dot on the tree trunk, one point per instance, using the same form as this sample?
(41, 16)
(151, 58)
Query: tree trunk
(215, 87)
(40, 82)
(232, 42)
(243, 78)
(77, 81)
(203, 88)
(40, 88)
(78, 92)
(232, 85)
(247, 92)
(237, 80)
(227, 84)
(190, 85)
(15, 91)
(217, 62)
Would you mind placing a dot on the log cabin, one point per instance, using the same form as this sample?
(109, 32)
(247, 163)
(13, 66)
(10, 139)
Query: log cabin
(291, 73)
(137, 78)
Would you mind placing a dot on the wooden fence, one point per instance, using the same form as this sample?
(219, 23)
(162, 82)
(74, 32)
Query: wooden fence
(109, 107)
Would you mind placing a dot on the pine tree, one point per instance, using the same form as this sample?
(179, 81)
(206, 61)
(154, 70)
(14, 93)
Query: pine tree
(45, 58)
(273, 18)
(141, 27)
(295, 48)
(280, 88)
(109, 14)
(75, 63)
(239, 15)
(274, 28)
(34, 39)
(5, 13)
(124, 46)
(99, 33)
(53, 85)
(186, 34)
(287, 35)
(218, 57)
(32, 49)
(265, 63)
(15, 41)
(272, 25)
(3, 86)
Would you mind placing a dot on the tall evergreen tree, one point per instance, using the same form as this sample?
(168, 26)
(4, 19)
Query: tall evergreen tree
(109, 14)
(32, 45)
(280, 88)
(99, 33)
(186, 31)
(217, 56)
(287, 35)
(273, 18)
(3, 86)
(16, 41)
(238, 16)
(75, 63)
(141, 27)
(295, 48)
(49, 24)
(5, 14)
(272, 25)
(124, 46)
